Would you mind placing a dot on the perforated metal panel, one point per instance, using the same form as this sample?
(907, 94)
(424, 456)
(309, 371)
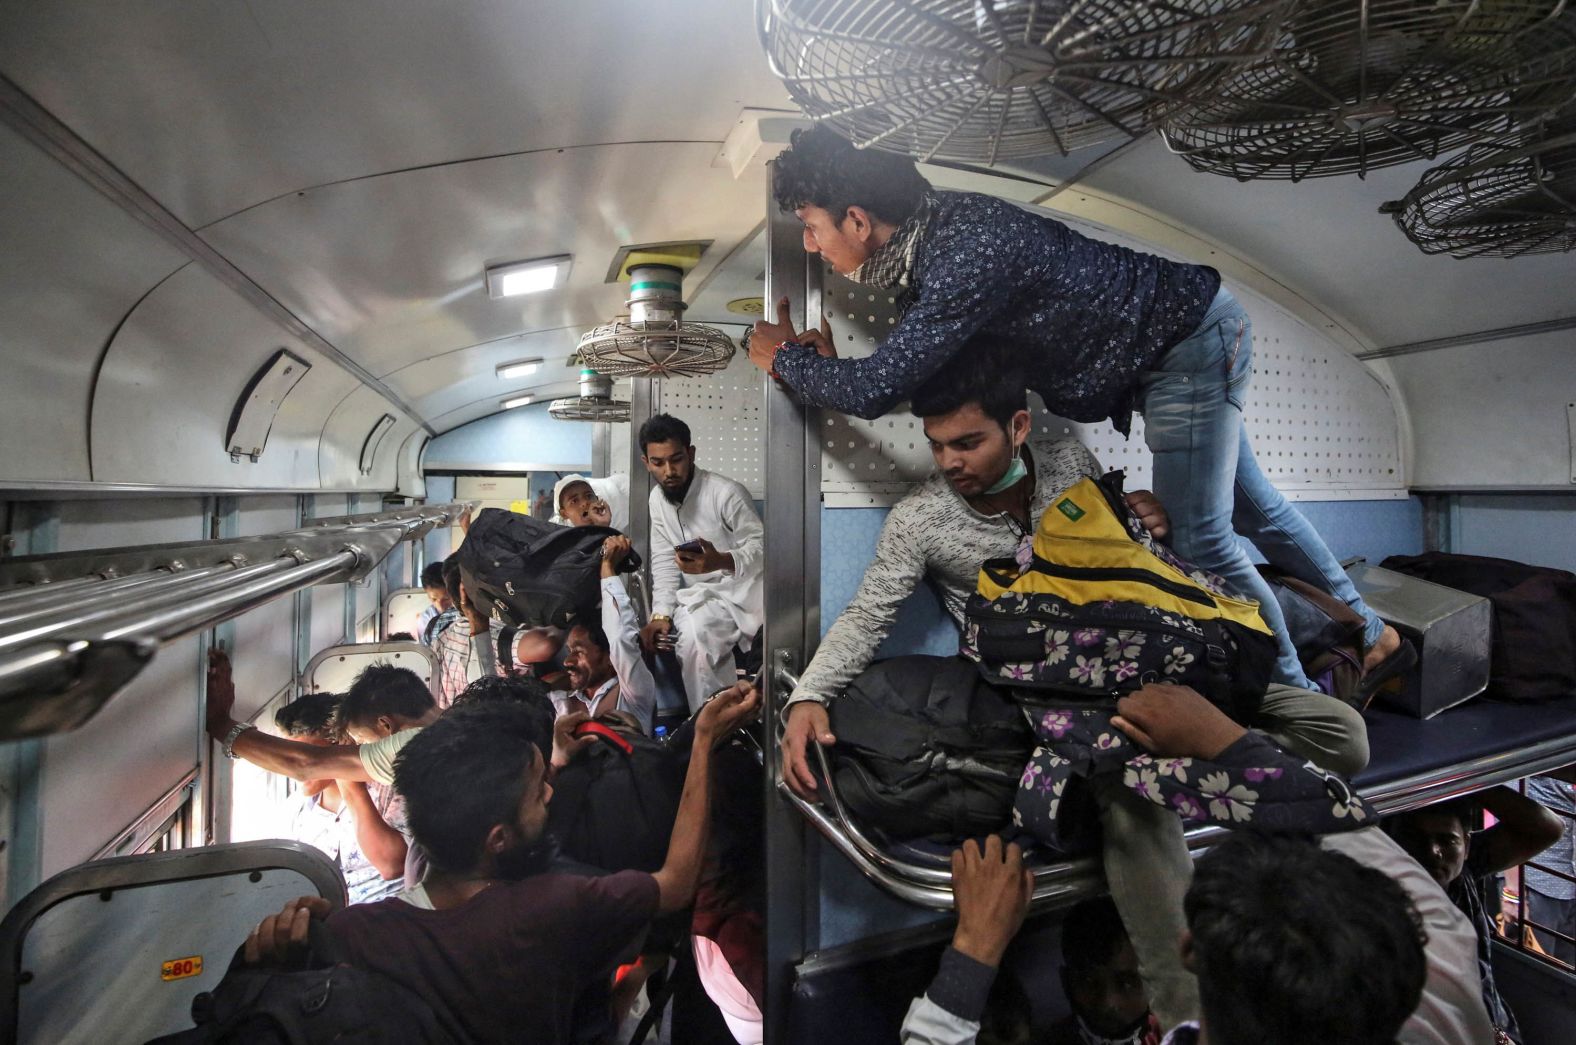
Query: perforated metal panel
(724, 413)
(1321, 424)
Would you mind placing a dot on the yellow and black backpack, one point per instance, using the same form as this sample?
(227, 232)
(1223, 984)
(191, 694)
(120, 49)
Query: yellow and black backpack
(1101, 609)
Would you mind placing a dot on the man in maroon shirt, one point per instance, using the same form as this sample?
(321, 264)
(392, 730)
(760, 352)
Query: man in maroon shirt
(493, 938)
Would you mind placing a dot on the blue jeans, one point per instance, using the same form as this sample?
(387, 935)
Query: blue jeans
(1207, 478)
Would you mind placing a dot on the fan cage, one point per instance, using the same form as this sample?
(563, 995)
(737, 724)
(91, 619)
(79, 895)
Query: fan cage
(655, 349)
(989, 80)
(1357, 85)
(589, 408)
(1504, 198)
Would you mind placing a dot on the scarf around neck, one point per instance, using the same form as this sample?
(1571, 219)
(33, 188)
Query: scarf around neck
(892, 265)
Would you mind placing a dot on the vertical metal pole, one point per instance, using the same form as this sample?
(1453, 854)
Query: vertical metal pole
(792, 618)
(645, 399)
(602, 448)
(209, 810)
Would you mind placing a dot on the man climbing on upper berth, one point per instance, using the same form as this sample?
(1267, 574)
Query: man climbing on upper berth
(991, 485)
(1097, 329)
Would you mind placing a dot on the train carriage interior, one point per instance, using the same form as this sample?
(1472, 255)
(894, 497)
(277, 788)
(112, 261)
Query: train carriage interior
(294, 293)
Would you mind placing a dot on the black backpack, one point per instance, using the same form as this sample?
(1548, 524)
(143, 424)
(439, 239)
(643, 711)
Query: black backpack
(1533, 651)
(531, 573)
(325, 1002)
(926, 747)
(613, 807)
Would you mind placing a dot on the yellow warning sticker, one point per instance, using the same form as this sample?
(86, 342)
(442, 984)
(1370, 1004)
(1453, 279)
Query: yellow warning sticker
(181, 968)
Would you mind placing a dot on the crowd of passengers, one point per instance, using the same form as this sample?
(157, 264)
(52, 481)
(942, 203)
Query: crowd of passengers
(436, 803)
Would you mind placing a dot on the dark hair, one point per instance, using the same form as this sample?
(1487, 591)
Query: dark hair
(975, 374)
(466, 773)
(1092, 933)
(383, 689)
(310, 715)
(451, 579)
(514, 689)
(432, 575)
(593, 629)
(401, 636)
(1300, 946)
(822, 169)
(663, 428)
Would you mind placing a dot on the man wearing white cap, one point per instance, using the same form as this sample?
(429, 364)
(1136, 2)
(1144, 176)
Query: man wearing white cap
(582, 501)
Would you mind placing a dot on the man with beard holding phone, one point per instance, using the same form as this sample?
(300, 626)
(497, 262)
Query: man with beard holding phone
(706, 556)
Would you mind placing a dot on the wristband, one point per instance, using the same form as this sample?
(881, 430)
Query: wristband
(231, 737)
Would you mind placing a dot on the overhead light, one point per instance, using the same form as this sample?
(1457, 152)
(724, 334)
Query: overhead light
(519, 368)
(514, 401)
(527, 277)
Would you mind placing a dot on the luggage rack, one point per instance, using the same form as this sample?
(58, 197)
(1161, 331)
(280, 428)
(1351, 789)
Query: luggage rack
(925, 879)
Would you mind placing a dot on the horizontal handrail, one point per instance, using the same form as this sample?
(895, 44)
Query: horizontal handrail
(69, 642)
(930, 884)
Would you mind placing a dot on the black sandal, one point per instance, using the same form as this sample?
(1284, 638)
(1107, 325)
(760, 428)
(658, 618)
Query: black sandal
(1401, 660)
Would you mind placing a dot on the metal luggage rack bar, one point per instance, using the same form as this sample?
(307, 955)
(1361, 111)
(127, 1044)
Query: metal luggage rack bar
(77, 626)
(927, 882)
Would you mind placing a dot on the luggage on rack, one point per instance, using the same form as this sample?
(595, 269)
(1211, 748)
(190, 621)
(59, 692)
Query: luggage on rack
(1533, 649)
(1101, 610)
(531, 573)
(927, 748)
(1327, 633)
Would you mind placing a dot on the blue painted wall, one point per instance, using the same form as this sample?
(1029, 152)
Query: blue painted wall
(1535, 528)
(520, 440)
(851, 908)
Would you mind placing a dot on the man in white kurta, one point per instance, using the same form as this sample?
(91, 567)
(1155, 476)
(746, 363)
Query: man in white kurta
(706, 551)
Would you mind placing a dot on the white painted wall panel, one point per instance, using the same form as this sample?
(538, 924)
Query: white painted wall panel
(172, 376)
(129, 521)
(1495, 414)
(266, 514)
(264, 654)
(101, 777)
(72, 266)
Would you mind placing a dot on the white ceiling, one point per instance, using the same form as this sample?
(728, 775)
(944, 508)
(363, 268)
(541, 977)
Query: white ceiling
(362, 162)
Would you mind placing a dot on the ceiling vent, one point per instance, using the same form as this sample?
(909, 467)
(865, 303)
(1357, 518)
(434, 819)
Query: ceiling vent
(654, 340)
(1355, 85)
(1502, 198)
(987, 80)
(594, 403)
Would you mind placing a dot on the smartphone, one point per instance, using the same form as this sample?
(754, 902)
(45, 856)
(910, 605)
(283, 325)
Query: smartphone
(689, 547)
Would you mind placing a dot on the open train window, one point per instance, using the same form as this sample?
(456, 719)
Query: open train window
(260, 801)
(1525, 926)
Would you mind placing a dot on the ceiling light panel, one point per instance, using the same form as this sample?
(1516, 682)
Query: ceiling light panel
(527, 277)
(519, 368)
(514, 401)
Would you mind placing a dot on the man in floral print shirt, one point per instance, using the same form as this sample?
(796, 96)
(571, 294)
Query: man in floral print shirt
(991, 484)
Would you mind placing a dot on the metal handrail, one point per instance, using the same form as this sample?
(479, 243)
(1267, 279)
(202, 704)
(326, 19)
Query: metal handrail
(1070, 880)
(69, 650)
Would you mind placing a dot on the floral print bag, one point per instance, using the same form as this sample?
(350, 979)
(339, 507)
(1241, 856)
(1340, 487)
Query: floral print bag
(1099, 609)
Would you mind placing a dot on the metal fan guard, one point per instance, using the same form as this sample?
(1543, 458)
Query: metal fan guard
(987, 80)
(655, 349)
(1503, 198)
(1356, 85)
(589, 408)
